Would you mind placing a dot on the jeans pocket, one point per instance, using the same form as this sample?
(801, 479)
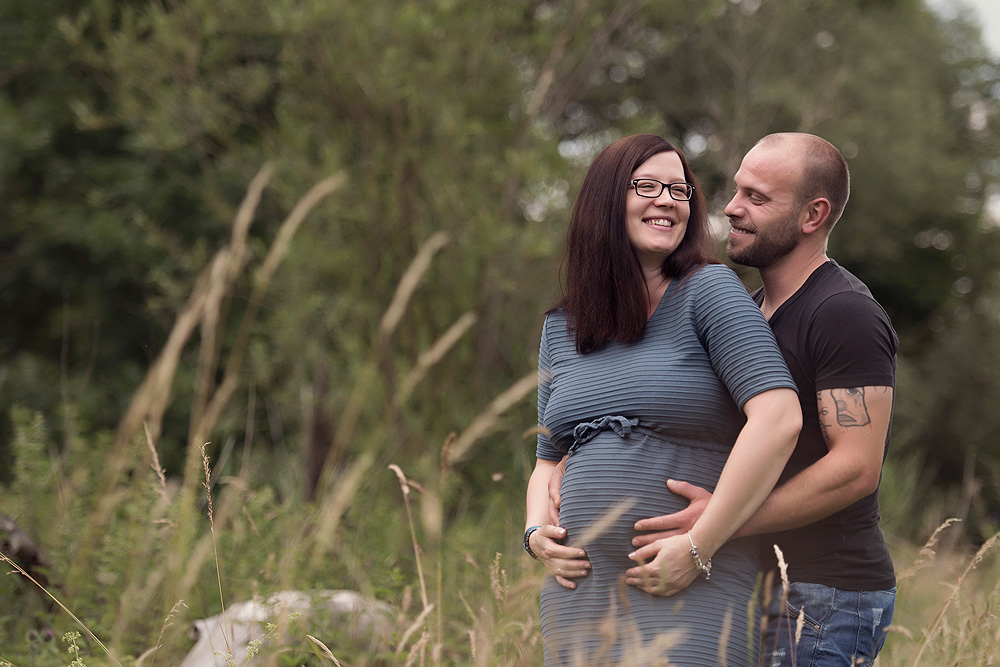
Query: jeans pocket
(813, 601)
(878, 608)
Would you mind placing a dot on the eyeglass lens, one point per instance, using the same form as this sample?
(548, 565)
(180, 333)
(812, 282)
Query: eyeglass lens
(646, 187)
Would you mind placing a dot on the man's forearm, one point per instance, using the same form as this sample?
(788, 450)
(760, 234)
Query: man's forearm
(824, 488)
(854, 422)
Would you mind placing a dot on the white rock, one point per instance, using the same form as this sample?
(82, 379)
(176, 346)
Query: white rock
(246, 622)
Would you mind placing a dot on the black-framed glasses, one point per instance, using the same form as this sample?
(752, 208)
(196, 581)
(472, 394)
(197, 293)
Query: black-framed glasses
(652, 188)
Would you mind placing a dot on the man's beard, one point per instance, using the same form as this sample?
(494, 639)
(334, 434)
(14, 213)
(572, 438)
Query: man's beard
(765, 249)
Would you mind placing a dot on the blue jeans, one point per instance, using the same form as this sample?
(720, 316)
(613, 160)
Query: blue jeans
(840, 627)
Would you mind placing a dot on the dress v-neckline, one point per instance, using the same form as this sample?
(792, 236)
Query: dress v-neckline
(670, 288)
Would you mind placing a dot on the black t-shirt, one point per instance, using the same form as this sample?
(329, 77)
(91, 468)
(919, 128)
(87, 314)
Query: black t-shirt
(833, 334)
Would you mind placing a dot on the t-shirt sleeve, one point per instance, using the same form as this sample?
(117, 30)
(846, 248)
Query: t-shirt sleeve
(544, 448)
(852, 343)
(736, 336)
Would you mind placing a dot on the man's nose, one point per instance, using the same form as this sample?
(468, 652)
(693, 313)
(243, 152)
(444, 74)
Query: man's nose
(731, 208)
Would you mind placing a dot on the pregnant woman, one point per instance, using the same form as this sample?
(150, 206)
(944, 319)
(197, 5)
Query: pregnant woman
(655, 365)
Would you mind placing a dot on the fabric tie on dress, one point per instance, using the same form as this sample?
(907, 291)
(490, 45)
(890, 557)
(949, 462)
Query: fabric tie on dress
(586, 431)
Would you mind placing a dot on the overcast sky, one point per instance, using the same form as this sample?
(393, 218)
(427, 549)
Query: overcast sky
(989, 12)
(989, 18)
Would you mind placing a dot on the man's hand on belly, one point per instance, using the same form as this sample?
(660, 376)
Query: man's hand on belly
(678, 523)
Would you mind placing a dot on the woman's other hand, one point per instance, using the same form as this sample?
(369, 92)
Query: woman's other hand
(665, 567)
(563, 562)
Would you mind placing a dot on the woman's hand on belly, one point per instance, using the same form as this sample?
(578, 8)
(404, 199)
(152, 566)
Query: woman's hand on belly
(563, 562)
(665, 567)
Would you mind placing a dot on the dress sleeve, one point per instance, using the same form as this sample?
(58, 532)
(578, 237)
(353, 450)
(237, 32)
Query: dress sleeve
(544, 448)
(853, 343)
(736, 336)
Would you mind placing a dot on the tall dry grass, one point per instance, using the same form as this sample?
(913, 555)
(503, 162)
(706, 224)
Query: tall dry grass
(139, 556)
(103, 506)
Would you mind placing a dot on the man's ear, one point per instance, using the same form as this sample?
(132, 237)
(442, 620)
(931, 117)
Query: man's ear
(815, 214)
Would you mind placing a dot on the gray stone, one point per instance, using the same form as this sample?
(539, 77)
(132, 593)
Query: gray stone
(245, 622)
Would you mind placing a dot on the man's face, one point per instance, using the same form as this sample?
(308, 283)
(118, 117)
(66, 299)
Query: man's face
(765, 211)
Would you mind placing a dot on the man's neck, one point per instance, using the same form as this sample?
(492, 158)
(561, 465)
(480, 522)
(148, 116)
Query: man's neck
(783, 278)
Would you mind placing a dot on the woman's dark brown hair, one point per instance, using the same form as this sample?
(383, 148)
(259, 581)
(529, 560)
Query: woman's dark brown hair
(606, 295)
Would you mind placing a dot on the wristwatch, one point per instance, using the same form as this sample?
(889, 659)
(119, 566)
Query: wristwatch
(527, 546)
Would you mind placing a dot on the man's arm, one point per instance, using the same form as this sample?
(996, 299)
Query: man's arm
(854, 422)
(754, 464)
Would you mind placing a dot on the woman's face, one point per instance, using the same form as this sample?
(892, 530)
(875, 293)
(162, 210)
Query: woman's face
(656, 225)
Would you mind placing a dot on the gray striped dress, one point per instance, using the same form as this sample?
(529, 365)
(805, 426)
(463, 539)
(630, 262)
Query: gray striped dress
(635, 415)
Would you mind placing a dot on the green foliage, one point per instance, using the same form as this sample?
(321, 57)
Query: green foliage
(129, 132)
(119, 195)
(912, 101)
(483, 607)
(73, 649)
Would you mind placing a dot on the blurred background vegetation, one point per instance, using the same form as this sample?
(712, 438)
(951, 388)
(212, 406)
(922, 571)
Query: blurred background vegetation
(130, 130)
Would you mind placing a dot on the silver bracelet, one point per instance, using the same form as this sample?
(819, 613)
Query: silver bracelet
(704, 567)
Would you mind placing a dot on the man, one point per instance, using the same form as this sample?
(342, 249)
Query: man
(840, 348)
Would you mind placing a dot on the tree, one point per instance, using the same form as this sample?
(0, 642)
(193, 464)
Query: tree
(912, 102)
(123, 175)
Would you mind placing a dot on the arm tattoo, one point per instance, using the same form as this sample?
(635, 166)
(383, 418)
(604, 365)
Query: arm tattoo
(824, 414)
(851, 407)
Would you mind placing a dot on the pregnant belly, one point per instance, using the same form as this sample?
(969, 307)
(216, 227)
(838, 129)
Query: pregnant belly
(612, 482)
